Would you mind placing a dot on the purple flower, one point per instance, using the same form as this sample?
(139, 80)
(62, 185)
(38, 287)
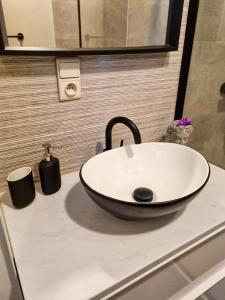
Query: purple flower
(184, 122)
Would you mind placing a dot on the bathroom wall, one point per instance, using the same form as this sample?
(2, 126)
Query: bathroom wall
(203, 103)
(38, 32)
(66, 26)
(142, 87)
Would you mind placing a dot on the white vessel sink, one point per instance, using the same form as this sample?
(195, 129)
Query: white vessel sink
(172, 173)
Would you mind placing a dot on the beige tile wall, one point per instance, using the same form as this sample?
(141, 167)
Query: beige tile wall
(141, 87)
(204, 104)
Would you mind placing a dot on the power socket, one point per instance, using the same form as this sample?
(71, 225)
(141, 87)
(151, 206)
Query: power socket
(68, 75)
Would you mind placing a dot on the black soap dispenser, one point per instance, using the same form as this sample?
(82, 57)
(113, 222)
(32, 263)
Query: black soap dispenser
(49, 171)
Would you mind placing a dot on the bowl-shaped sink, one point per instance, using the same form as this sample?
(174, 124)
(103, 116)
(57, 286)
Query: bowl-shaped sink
(146, 180)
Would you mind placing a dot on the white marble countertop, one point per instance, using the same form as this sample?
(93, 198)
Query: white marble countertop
(66, 247)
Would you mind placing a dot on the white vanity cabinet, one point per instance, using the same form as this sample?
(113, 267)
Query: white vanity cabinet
(197, 274)
(9, 285)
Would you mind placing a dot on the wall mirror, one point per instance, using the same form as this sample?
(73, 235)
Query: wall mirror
(89, 26)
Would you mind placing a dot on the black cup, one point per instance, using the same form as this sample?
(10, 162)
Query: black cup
(21, 187)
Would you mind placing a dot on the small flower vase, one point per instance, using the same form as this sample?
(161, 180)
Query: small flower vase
(179, 132)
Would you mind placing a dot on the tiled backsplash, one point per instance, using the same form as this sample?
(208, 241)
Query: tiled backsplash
(140, 87)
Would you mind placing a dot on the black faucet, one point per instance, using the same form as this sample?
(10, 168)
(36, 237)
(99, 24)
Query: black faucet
(130, 124)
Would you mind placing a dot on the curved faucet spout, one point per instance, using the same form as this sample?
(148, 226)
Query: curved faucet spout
(130, 124)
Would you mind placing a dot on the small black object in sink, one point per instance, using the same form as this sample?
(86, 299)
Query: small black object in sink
(143, 194)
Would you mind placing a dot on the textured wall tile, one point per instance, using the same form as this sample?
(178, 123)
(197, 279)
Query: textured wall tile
(140, 87)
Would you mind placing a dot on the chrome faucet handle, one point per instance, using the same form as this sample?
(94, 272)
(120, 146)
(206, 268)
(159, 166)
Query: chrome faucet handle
(121, 143)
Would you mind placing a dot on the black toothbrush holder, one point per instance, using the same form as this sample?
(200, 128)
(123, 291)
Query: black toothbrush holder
(21, 187)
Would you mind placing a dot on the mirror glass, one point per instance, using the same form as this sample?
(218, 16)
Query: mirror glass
(86, 24)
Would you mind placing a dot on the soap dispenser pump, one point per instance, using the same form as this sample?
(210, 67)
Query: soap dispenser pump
(49, 171)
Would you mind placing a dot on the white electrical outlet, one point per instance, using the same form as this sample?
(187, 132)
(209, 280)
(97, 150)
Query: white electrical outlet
(68, 74)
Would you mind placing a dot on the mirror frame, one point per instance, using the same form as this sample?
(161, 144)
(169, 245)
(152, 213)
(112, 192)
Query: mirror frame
(171, 44)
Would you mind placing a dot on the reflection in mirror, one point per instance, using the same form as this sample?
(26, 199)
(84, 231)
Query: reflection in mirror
(127, 23)
(73, 24)
(66, 23)
(32, 18)
(44, 23)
